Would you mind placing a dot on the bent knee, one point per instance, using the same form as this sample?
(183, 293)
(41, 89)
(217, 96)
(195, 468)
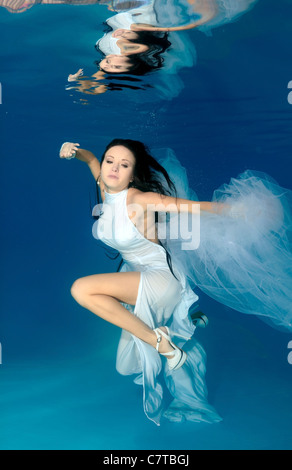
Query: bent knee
(78, 289)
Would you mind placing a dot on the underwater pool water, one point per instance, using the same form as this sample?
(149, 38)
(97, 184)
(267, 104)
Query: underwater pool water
(225, 112)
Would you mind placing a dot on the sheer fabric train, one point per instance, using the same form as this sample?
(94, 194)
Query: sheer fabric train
(244, 259)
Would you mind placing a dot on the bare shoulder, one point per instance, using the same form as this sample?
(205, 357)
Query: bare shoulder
(135, 196)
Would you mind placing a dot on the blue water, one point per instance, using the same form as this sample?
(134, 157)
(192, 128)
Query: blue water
(228, 112)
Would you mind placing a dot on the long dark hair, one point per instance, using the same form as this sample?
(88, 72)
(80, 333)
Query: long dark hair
(145, 62)
(149, 175)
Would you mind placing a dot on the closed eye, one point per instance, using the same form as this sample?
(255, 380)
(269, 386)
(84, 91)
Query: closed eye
(123, 165)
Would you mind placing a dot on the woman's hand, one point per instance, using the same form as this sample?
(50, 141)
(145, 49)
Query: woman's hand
(237, 210)
(75, 76)
(68, 150)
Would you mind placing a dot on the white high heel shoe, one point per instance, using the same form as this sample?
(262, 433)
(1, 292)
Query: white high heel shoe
(179, 356)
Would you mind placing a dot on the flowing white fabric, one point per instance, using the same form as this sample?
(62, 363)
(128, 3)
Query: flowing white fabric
(244, 259)
(227, 11)
(162, 299)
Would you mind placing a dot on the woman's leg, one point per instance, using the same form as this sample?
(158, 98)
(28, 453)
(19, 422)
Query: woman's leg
(102, 294)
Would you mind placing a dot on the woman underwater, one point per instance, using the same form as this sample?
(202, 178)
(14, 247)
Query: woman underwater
(151, 296)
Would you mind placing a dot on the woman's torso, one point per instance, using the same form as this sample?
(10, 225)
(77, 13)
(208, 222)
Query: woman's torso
(117, 230)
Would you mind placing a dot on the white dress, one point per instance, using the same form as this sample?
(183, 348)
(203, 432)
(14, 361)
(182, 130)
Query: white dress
(162, 299)
(244, 261)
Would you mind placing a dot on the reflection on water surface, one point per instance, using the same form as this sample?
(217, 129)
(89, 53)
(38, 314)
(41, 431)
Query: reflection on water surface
(143, 37)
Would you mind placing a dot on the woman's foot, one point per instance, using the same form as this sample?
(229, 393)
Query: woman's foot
(164, 344)
(175, 356)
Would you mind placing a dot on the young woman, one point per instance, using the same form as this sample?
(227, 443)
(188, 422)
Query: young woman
(150, 297)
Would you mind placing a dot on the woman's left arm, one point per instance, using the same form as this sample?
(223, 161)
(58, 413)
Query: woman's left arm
(160, 203)
(206, 10)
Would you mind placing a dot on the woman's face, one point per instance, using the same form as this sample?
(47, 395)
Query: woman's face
(115, 64)
(117, 169)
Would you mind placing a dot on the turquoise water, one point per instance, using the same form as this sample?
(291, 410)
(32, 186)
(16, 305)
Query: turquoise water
(225, 113)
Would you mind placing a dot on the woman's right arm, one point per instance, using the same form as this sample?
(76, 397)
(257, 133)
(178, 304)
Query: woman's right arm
(70, 150)
(91, 160)
(90, 86)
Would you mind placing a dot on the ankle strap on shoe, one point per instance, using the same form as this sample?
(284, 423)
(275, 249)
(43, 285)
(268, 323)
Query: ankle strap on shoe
(159, 338)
